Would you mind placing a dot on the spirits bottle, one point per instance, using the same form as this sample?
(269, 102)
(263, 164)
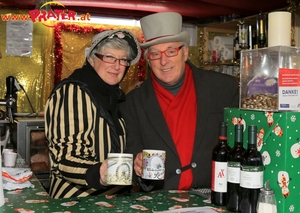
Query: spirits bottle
(252, 171)
(233, 169)
(219, 168)
(243, 36)
(236, 46)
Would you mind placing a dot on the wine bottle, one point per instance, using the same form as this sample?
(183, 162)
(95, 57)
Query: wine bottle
(254, 39)
(252, 171)
(261, 30)
(219, 168)
(233, 169)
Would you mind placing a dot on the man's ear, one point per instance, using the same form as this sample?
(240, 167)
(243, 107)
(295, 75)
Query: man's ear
(186, 52)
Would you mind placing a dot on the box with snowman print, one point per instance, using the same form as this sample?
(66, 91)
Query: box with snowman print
(278, 139)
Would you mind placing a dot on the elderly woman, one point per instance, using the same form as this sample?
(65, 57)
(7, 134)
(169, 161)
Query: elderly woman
(82, 120)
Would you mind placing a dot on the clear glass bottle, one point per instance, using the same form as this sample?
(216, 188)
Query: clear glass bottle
(266, 200)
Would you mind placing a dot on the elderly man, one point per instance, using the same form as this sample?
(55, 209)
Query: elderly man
(177, 108)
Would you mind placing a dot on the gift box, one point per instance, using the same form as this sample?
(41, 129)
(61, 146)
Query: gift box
(270, 79)
(278, 140)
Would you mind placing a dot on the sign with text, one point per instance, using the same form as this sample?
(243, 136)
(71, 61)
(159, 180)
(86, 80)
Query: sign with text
(288, 90)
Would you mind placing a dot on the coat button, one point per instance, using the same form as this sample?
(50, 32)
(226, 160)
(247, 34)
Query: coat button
(178, 171)
(194, 165)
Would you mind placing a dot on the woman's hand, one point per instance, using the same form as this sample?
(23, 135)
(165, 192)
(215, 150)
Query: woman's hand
(138, 164)
(103, 173)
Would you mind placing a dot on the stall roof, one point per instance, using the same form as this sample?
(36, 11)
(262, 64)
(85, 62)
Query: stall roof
(191, 10)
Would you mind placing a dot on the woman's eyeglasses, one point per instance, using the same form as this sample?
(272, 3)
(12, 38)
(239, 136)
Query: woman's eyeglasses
(111, 60)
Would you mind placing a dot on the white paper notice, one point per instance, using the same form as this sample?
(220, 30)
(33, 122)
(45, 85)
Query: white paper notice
(206, 209)
(19, 38)
(289, 89)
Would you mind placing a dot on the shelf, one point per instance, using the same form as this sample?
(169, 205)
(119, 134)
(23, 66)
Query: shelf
(228, 62)
(210, 30)
(233, 24)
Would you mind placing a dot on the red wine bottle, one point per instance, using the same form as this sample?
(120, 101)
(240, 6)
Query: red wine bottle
(234, 169)
(219, 168)
(252, 172)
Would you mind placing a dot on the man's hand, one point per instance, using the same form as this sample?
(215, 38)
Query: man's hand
(138, 164)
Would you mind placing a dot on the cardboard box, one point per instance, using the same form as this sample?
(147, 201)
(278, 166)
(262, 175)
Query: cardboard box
(278, 140)
(270, 79)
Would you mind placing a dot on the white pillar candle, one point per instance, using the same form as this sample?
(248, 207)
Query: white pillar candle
(279, 29)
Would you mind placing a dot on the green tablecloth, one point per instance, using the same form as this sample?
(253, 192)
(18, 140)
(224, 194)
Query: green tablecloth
(37, 200)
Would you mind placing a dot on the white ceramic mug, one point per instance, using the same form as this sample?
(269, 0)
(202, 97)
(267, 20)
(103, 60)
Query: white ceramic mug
(119, 171)
(154, 164)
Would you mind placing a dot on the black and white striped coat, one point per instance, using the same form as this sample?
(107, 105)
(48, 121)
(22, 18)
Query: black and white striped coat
(80, 134)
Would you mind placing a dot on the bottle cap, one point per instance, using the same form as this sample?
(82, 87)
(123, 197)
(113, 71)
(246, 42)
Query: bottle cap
(266, 190)
(252, 131)
(239, 128)
(223, 129)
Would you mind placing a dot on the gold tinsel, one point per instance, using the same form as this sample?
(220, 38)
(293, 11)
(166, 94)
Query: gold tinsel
(36, 73)
(28, 70)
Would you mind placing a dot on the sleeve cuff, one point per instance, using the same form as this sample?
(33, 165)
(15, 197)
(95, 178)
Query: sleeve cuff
(92, 177)
(146, 185)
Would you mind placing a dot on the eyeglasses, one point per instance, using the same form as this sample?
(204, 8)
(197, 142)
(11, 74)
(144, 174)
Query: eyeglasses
(171, 52)
(111, 60)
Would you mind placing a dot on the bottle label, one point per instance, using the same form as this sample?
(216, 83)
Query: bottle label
(219, 176)
(252, 177)
(233, 172)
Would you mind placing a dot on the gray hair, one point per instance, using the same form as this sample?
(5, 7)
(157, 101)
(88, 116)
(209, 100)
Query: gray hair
(114, 43)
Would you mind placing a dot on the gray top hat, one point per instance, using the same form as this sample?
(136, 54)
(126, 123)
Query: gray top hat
(122, 34)
(162, 28)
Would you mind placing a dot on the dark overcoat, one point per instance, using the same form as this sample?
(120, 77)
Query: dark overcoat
(147, 128)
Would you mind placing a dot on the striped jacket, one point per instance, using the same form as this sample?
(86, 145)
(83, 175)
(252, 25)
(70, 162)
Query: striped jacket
(80, 136)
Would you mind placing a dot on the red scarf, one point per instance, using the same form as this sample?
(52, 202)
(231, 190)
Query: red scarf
(180, 114)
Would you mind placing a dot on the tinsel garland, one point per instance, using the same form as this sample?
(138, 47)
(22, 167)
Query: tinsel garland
(141, 64)
(58, 50)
